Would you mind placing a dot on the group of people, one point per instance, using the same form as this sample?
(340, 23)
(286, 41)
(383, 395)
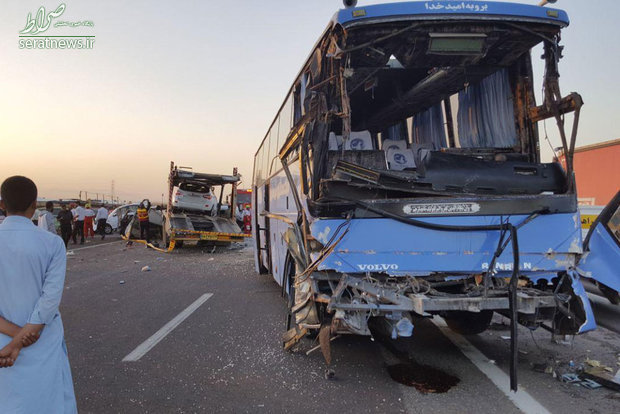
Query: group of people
(78, 221)
(35, 375)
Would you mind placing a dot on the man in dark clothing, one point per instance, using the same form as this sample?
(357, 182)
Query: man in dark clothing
(65, 217)
(101, 218)
(79, 215)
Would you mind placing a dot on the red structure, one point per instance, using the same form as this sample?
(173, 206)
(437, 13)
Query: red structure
(597, 171)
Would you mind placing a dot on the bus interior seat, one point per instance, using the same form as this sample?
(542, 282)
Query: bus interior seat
(421, 151)
(335, 142)
(374, 159)
(359, 141)
(400, 159)
(389, 144)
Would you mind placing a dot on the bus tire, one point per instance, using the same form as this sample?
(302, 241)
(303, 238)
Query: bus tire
(289, 281)
(468, 323)
(611, 294)
(290, 268)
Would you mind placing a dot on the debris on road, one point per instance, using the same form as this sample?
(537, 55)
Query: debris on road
(146, 268)
(544, 367)
(588, 383)
(122, 282)
(311, 350)
(575, 379)
(600, 375)
(570, 378)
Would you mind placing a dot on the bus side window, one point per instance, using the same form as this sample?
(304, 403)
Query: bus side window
(273, 147)
(285, 121)
(256, 168)
(296, 104)
(266, 156)
(260, 164)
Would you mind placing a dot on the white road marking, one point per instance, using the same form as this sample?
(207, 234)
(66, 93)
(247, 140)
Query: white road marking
(90, 247)
(147, 345)
(524, 401)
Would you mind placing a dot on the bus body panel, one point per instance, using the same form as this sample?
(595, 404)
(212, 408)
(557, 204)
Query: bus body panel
(281, 204)
(601, 263)
(602, 258)
(385, 245)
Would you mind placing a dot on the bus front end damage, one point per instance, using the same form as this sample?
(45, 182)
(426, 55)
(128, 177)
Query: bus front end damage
(368, 274)
(384, 269)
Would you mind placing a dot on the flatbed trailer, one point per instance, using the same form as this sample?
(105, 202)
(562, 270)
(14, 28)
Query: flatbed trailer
(180, 226)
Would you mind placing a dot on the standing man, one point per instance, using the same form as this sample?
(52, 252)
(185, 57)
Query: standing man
(46, 220)
(89, 215)
(36, 379)
(74, 229)
(247, 219)
(143, 218)
(65, 217)
(78, 227)
(102, 218)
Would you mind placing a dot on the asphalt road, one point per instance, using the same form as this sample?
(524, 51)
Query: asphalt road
(226, 356)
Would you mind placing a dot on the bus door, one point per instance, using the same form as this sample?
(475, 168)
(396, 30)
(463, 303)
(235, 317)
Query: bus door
(262, 226)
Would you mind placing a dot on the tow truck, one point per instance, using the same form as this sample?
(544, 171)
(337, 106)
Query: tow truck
(180, 226)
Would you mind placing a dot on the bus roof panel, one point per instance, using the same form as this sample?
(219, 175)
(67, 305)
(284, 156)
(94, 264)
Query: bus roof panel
(430, 10)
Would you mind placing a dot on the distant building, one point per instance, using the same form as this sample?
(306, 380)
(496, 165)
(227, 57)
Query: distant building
(597, 171)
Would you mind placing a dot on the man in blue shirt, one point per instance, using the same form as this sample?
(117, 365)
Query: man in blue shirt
(35, 376)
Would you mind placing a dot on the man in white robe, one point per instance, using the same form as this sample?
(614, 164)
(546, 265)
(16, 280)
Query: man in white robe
(35, 376)
(47, 221)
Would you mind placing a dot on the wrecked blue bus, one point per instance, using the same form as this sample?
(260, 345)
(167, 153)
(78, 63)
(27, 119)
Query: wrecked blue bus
(402, 176)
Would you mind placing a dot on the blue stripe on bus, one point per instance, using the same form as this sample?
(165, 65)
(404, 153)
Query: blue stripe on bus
(475, 9)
